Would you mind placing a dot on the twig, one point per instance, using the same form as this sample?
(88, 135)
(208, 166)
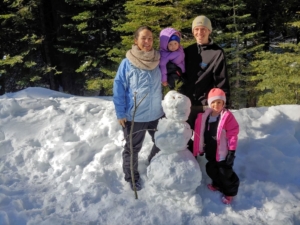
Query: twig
(131, 146)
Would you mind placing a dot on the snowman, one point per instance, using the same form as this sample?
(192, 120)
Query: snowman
(174, 170)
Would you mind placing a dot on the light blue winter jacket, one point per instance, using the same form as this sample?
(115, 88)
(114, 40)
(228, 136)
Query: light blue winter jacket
(130, 79)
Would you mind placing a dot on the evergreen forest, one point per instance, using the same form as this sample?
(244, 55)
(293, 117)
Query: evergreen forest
(75, 46)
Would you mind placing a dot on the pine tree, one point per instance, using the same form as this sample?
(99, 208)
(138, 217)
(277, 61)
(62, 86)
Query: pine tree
(158, 14)
(56, 43)
(234, 30)
(271, 16)
(21, 40)
(276, 75)
(88, 29)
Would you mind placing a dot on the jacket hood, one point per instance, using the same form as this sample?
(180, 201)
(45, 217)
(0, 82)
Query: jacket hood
(164, 37)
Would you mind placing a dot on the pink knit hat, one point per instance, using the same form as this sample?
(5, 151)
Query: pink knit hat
(214, 94)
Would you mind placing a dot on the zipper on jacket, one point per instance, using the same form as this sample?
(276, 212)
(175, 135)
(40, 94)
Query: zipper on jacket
(199, 49)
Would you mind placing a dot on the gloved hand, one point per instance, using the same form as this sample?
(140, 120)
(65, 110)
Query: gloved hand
(180, 76)
(174, 73)
(230, 157)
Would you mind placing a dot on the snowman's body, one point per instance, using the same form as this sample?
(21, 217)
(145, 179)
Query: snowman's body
(174, 170)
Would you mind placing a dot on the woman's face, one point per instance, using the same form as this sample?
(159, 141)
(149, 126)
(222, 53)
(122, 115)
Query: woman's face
(144, 40)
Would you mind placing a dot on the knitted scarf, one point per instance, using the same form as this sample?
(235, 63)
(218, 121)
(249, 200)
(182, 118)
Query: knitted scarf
(143, 60)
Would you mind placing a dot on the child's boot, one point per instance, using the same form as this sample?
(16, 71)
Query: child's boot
(212, 187)
(227, 199)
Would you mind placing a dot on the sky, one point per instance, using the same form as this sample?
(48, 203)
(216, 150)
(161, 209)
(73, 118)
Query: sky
(61, 164)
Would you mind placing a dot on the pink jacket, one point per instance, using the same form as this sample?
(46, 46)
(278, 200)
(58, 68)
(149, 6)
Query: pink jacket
(227, 133)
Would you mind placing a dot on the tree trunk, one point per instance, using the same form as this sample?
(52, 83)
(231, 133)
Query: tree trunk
(48, 30)
(70, 81)
(2, 83)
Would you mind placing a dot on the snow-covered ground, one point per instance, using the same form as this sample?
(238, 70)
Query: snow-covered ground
(60, 164)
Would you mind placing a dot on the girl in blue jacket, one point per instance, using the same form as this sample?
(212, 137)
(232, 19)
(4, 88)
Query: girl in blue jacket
(138, 75)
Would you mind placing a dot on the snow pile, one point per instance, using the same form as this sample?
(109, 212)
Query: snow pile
(61, 164)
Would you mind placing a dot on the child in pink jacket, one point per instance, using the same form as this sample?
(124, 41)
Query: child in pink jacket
(216, 135)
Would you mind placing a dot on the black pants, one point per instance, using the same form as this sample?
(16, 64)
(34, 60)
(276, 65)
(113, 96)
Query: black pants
(223, 177)
(139, 133)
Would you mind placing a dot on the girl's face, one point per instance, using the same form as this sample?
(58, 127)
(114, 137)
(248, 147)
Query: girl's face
(144, 40)
(217, 105)
(173, 46)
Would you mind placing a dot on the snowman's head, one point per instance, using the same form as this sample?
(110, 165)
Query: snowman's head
(172, 136)
(176, 106)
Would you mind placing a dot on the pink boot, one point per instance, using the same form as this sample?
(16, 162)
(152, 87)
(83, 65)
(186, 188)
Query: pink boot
(227, 199)
(212, 187)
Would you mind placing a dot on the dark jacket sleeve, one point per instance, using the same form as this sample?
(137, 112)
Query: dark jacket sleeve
(221, 77)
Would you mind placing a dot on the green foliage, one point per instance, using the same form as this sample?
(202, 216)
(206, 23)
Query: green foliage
(167, 89)
(10, 61)
(277, 76)
(234, 30)
(84, 66)
(90, 37)
(98, 84)
(296, 24)
(158, 14)
(35, 78)
(84, 41)
(20, 43)
(83, 16)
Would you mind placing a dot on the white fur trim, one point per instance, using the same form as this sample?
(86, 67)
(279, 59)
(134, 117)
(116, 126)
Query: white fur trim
(210, 100)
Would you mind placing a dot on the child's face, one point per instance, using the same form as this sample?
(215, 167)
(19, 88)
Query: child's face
(173, 46)
(217, 105)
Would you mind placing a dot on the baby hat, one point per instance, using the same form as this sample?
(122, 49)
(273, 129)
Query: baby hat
(174, 38)
(201, 21)
(214, 94)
